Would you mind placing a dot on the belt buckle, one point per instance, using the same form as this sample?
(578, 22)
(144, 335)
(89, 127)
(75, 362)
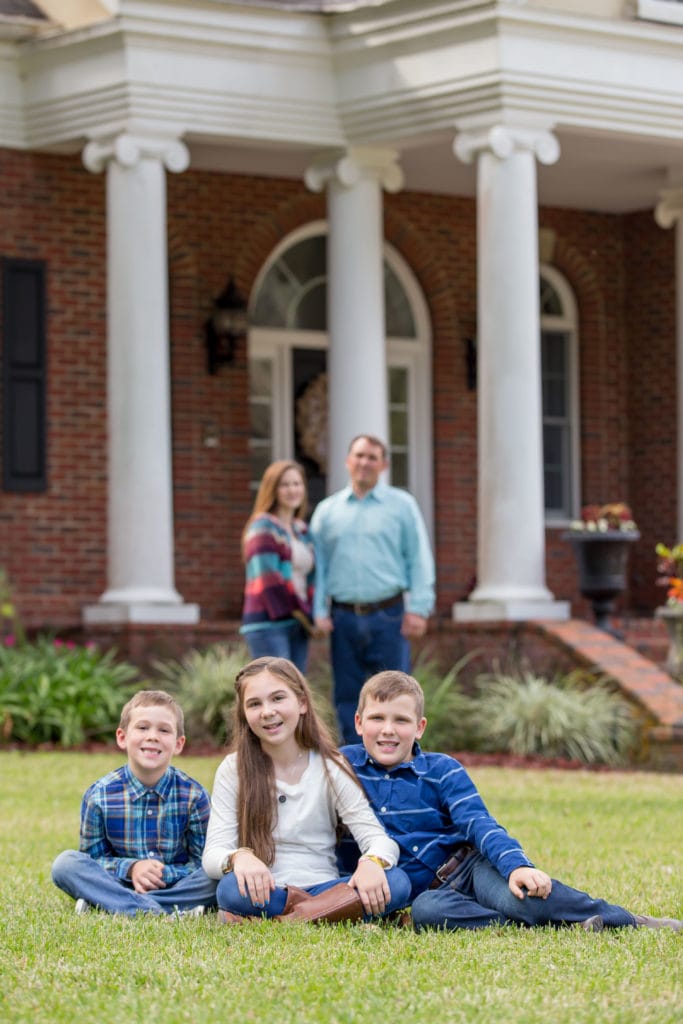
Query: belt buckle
(444, 872)
(359, 609)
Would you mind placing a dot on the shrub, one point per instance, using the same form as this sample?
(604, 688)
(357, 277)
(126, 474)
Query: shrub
(203, 684)
(448, 710)
(570, 716)
(51, 691)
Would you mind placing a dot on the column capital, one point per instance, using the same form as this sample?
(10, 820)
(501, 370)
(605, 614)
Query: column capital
(503, 140)
(347, 167)
(128, 149)
(669, 209)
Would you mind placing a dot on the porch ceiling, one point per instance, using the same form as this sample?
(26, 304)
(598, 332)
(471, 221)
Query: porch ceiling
(608, 173)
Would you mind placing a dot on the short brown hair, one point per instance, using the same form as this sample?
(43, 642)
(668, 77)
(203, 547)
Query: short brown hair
(389, 684)
(153, 699)
(372, 440)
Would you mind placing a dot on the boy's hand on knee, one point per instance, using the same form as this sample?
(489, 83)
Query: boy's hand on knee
(530, 882)
(147, 875)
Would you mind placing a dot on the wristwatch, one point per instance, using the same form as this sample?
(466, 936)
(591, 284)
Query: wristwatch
(227, 862)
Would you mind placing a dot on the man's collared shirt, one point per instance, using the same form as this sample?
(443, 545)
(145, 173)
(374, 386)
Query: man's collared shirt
(368, 549)
(123, 821)
(428, 805)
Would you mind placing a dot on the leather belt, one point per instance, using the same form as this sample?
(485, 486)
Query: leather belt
(450, 866)
(366, 609)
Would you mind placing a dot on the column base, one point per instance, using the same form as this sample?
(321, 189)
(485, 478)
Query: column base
(144, 612)
(510, 610)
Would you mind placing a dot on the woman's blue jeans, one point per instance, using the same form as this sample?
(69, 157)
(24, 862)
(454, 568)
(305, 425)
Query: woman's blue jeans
(229, 898)
(290, 641)
(477, 896)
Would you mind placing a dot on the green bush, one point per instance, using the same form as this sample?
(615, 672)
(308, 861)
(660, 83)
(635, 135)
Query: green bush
(203, 684)
(51, 691)
(448, 710)
(571, 716)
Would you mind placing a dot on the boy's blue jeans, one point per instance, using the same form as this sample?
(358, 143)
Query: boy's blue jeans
(476, 895)
(229, 898)
(83, 878)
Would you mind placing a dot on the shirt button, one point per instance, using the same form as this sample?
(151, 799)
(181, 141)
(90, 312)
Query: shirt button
(384, 810)
(415, 849)
(150, 811)
(387, 776)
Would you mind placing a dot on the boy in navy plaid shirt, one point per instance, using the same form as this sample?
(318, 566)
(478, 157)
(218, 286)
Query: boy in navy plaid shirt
(143, 825)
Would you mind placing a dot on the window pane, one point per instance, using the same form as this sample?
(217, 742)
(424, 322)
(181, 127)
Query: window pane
(398, 429)
(307, 259)
(553, 396)
(550, 300)
(398, 385)
(260, 421)
(399, 469)
(259, 460)
(399, 316)
(259, 378)
(311, 312)
(272, 302)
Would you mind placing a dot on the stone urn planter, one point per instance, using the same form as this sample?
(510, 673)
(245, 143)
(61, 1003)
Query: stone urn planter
(602, 560)
(672, 617)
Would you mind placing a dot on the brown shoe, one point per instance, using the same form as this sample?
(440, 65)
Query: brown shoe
(225, 917)
(593, 924)
(339, 903)
(643, 921)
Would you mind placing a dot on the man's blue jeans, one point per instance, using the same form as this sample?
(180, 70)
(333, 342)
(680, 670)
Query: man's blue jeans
(229, 898)
(477, 896)
(360, 646)
(83, 878)
(290, 641)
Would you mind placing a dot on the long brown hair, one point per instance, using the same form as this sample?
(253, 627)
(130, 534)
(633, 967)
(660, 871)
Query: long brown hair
(256, 797)
(266, 496)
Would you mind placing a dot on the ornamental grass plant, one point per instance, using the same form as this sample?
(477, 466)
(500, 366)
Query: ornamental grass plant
(572, 716)
(616, 834)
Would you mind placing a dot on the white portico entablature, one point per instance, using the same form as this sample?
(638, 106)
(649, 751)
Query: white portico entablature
(220, 73)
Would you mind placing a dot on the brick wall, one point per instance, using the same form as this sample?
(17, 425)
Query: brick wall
(53, 544)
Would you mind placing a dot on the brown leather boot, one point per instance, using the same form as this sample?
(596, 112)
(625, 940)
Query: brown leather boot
(226, 917)
(340, 903)
(295, 896)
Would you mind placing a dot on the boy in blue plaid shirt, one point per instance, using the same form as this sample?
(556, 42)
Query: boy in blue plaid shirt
(143, 825)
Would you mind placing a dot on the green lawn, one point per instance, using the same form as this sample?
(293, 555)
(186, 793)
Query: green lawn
(618, 835)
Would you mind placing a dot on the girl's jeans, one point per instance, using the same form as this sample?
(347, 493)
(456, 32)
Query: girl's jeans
(228, 895)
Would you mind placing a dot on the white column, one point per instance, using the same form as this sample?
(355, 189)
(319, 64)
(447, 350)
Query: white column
(669, 212)
(511, 524)
(357, 365)
(140, 585)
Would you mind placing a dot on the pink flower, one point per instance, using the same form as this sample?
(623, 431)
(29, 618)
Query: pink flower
(9, 640)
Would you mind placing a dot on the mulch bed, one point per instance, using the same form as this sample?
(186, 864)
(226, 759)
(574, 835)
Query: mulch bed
(470, 759)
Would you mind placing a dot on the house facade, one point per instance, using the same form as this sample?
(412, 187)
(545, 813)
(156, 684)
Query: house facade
(455, 225)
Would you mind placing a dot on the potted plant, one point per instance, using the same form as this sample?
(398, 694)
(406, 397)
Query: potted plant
(670, 575)
(601, 539)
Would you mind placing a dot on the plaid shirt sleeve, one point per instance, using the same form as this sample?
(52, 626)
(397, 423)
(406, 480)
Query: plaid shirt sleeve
(197, 818)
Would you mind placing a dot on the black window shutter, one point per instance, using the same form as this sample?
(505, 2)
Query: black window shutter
(24, 378)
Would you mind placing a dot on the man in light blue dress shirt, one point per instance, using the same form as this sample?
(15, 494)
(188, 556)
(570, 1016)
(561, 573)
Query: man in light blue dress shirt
(374, 582)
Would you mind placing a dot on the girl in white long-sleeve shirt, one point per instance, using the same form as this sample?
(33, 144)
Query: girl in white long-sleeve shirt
(276, 803)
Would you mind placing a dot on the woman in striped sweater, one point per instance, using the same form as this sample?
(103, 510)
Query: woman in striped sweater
(278, 557)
